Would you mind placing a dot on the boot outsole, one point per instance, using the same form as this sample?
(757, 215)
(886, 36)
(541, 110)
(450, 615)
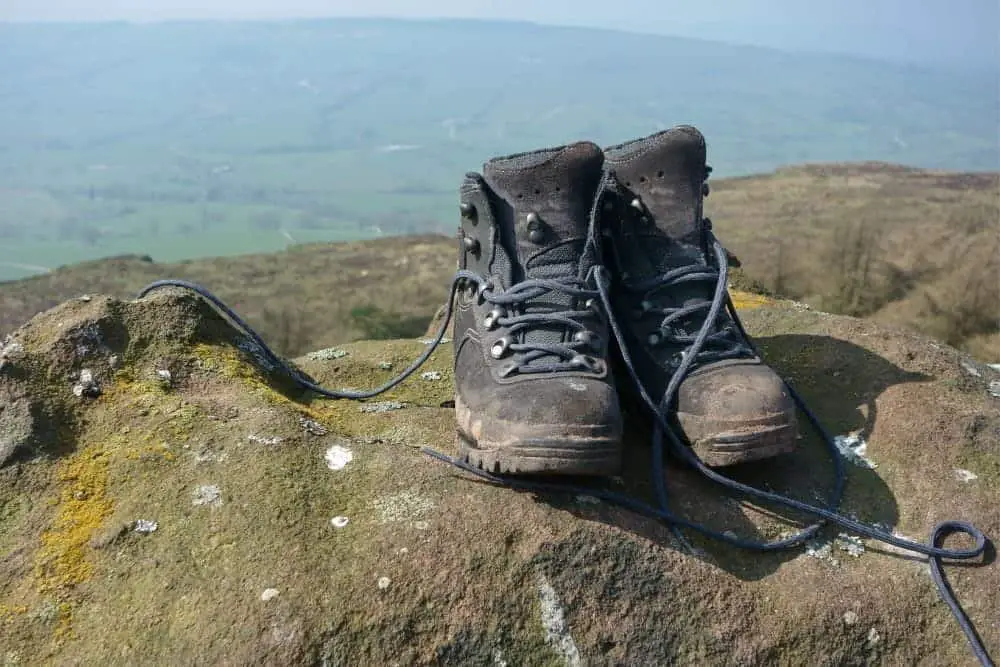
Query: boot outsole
(735, 448)
(594, 450)
(545, 456)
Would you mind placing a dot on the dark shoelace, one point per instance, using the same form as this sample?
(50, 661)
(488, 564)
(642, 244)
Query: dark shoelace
(571, 355)
(934, 551)
(722, 343)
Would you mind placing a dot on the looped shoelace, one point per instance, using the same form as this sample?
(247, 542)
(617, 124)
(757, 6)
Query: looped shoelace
(570, 354)
(661, 511)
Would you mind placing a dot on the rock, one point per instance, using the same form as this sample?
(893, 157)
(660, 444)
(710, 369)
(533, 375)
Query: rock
(327, 354)
(434, 567)
(87, 386)
(16, 424)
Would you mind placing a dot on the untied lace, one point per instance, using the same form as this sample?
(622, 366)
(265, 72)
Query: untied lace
(599, 277)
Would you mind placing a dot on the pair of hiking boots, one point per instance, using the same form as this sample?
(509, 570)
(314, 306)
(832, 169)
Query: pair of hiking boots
(587, 277)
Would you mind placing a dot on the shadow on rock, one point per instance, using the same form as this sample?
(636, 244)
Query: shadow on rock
(840, 382)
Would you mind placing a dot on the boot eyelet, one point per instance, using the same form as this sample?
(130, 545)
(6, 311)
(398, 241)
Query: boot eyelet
(587, 362)
(471, 290)
(471, 245)
(592, 305)
(646, 306)
(536, 231)
(637, 204)
(490, 321)
(588, 338)
(705, 189)
(468, 212)
(500, 347)
(654, 339)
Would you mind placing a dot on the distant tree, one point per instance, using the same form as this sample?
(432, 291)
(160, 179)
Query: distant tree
(854, 266)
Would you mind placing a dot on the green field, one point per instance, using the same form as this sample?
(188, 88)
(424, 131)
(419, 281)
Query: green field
(198, 139)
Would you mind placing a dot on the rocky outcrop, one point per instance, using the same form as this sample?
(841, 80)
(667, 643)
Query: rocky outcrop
(164, 500)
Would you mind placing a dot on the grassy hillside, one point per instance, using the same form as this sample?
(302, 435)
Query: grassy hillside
(199, 139)
(902, 246)
(899, 245)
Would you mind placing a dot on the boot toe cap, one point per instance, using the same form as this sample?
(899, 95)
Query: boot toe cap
(737, 413)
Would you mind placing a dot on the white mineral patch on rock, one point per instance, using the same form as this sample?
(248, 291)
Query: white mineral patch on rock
(554, 621)
(145, 526)
(965, 475)
(269, 594)
(970, 369)
(337, 457)
(852, 544)
(339, 521)
(87, 386)
(328, 354)
(207, 494)
(853, 448)
(312, 426)
(381, 406)
(268, 440)
(431, 375)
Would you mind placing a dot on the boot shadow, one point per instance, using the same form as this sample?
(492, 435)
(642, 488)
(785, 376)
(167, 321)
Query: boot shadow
(840, 382)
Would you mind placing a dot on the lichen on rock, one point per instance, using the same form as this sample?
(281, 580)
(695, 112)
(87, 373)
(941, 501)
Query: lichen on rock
(291, 529)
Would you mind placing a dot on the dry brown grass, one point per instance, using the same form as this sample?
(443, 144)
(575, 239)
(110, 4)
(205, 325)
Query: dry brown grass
(299, 300)
(902, 246)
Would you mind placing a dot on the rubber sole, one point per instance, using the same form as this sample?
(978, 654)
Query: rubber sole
(727, 449)
(600, 458)
(591, 451)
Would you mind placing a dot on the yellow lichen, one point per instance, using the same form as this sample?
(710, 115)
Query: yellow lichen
(228, 362)
(61, 563)
(9, 612)
(747, 300)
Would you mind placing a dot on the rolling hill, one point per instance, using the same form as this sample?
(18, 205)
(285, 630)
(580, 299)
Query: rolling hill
(186, 140)
(903, 246)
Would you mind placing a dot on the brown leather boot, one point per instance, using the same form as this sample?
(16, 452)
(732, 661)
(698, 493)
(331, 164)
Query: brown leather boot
(533, 390)
(730, 406)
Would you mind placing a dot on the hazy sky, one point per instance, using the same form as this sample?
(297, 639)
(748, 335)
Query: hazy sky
(914, 30)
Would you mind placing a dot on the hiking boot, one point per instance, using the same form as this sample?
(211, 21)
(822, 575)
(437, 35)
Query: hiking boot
(730, 406)
(533, 389)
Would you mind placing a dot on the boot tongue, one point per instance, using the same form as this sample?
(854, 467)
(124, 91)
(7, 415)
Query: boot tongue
(543, 204)
(665, 172)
